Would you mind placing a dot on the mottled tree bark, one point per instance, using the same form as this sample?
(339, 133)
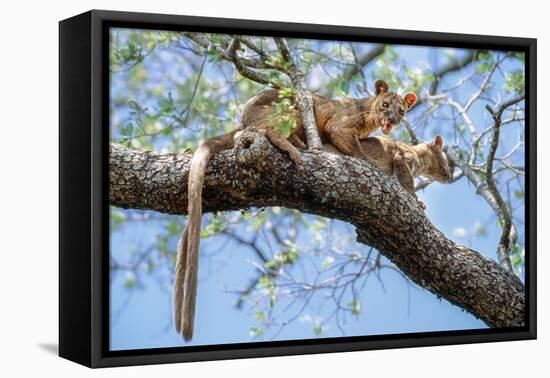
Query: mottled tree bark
(256, 174)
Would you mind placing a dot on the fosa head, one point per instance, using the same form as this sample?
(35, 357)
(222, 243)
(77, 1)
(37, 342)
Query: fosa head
(389, 107)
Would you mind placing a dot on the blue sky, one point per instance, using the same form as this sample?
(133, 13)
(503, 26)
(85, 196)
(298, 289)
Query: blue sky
(142, 317)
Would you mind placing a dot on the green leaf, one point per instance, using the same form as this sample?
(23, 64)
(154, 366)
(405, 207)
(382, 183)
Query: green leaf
(326, 263)
(344, 87)
(515, 82)
(392, 55)
(355, 306)
(132, 104)
(130, 280)
(167, 130)
(516, 261)
(266, 282)
(117, 216)
(167, 105)
(173, 228)
(292, 256)
(519, 55)
(254, 332)
(162, 244)
(285, 126)
(480, 230)
(484, 55)
(127, 129)
(259, 315)
(286, 92)
(150, 265)
(483, 67)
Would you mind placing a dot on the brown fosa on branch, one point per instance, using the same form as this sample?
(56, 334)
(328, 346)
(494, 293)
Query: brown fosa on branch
(340, 122)
(405, 161)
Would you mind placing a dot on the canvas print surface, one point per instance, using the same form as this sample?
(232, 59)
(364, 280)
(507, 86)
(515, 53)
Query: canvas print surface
(410, 218)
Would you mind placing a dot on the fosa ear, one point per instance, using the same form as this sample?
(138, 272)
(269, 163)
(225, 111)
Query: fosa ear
(410, 99)
(438, 141)
(380, 86)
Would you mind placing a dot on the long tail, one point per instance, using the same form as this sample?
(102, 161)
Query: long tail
(185, 280)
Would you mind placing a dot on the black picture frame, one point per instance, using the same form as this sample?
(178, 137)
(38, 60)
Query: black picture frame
(84, 200)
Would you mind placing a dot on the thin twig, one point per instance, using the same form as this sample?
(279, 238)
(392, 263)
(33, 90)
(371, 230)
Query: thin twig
(362, 61)
(508, 237)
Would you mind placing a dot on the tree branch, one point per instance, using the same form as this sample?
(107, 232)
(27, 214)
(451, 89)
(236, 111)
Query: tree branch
(362, 60)
(509, 236)
(304, 101)
(452, 66)
(202, 41)
(244, 70)
(256, 174)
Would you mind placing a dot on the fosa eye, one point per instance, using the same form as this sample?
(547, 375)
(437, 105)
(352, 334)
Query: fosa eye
(401, 111)
(385, 104)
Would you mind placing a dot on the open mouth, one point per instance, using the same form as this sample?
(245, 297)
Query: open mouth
(385, 125)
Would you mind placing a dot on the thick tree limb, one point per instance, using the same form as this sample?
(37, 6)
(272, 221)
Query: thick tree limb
(256, 174)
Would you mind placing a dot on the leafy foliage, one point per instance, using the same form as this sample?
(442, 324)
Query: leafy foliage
(283, 116)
